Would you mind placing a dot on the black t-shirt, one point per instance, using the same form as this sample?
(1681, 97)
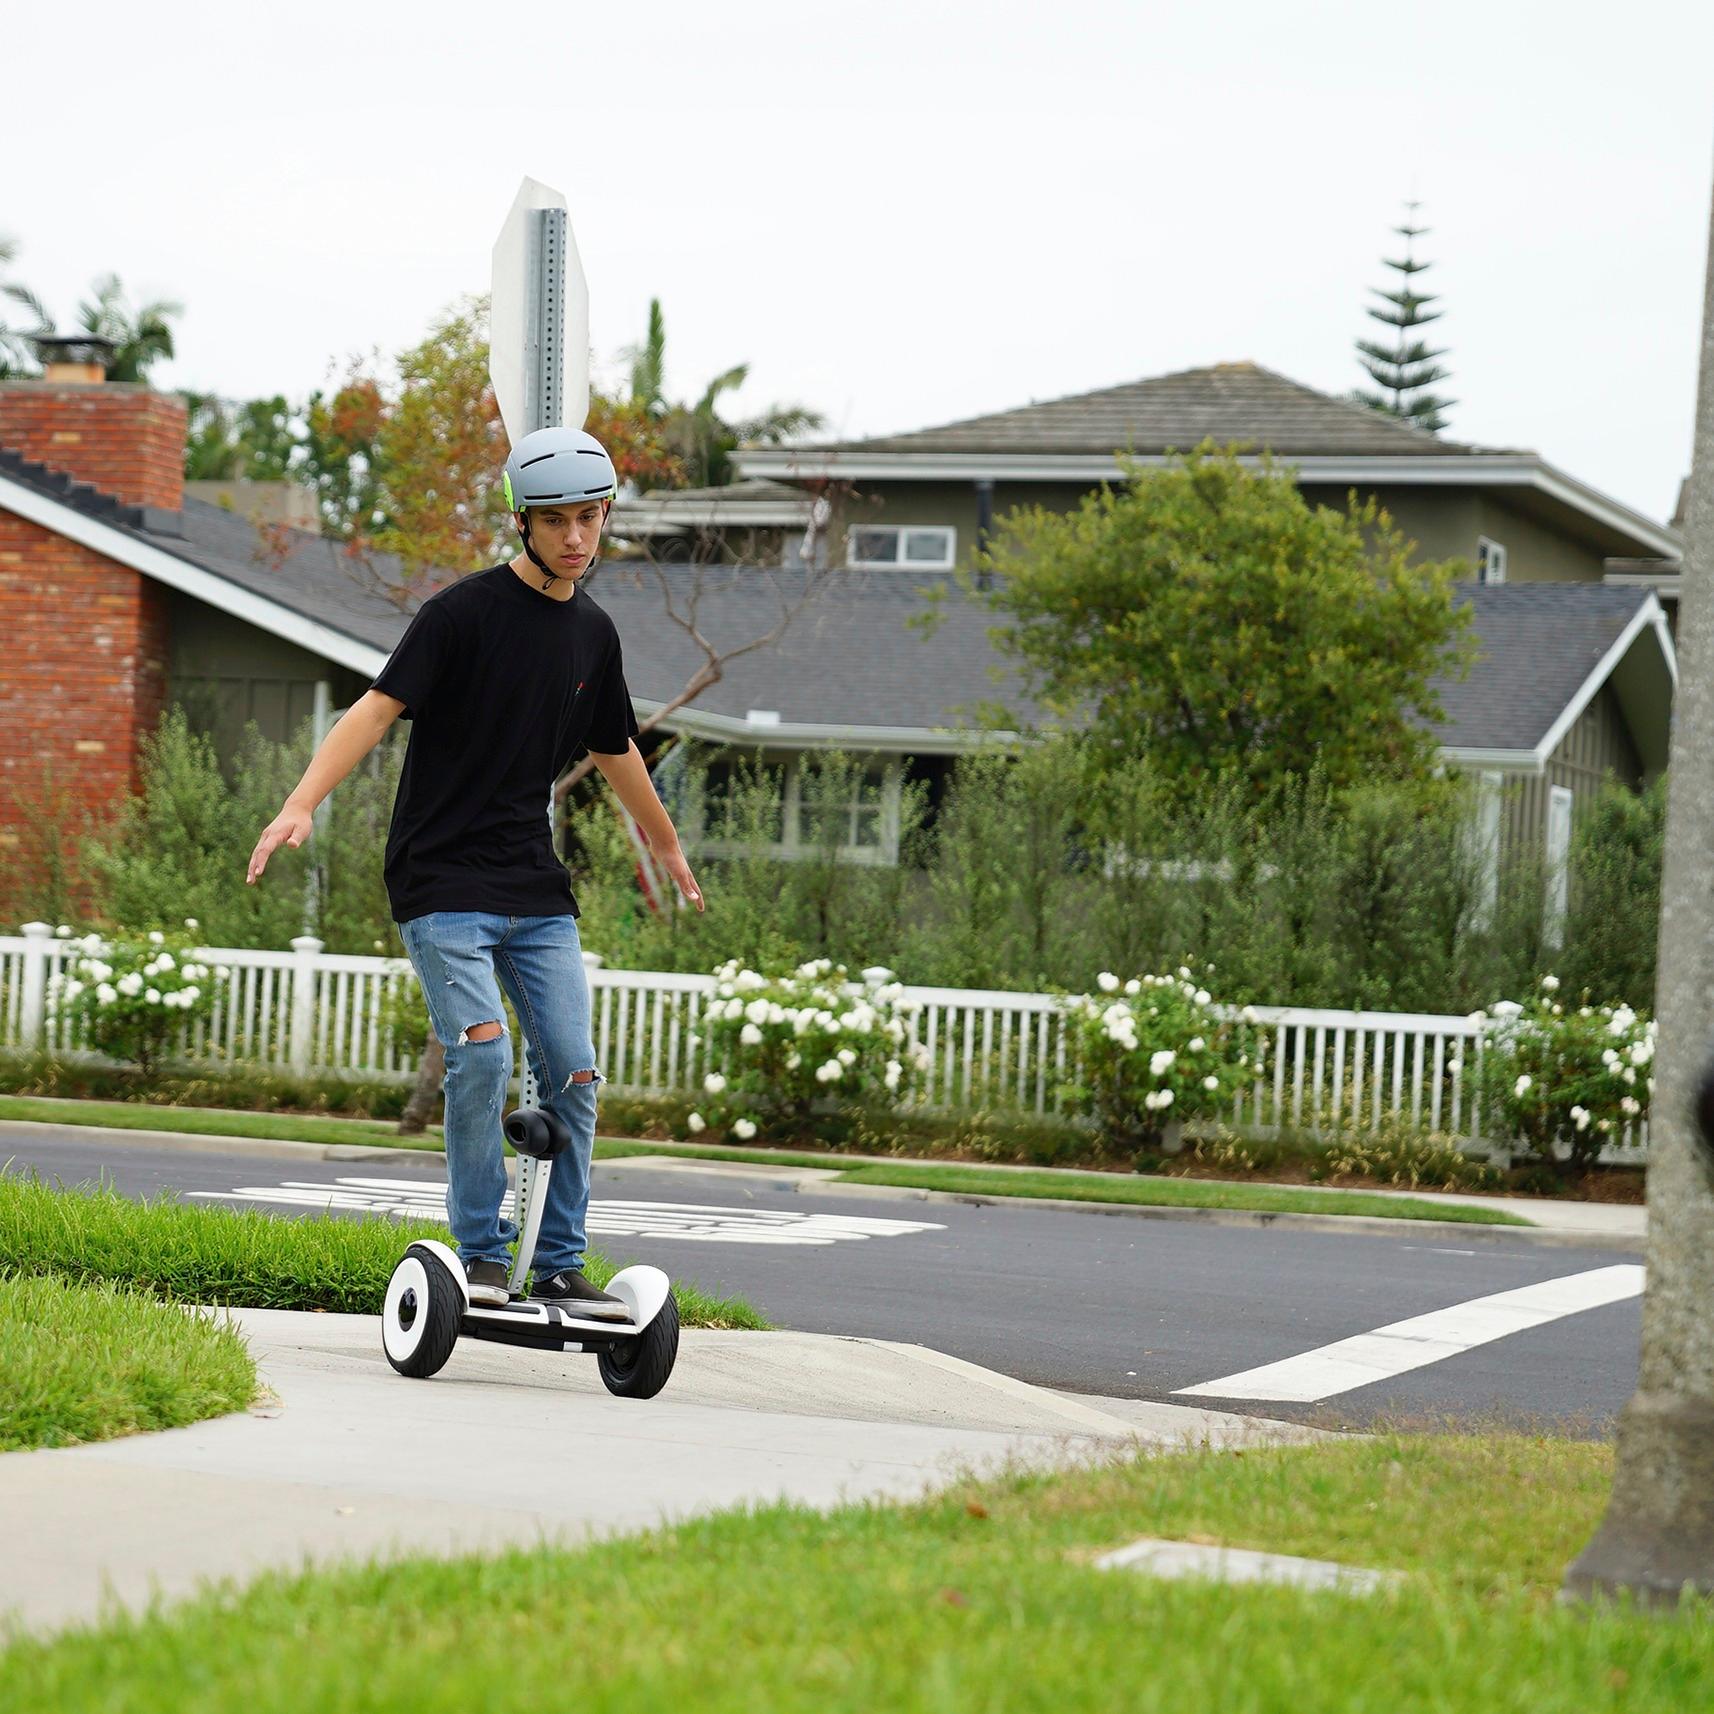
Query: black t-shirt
(504, 688)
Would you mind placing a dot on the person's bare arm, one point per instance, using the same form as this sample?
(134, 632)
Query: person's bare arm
(628, 775)
(355, 733)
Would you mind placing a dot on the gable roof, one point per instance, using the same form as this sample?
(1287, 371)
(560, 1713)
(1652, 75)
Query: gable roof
(1223, 402)
(1329, 441)
(1546, 651)
(289, 583)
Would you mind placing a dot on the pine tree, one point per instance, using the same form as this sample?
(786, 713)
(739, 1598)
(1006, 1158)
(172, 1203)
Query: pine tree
(1406, 368)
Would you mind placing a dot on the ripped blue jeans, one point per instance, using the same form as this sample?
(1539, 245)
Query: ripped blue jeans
(463, 959)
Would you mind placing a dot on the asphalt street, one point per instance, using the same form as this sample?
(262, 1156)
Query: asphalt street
(1103, 1304)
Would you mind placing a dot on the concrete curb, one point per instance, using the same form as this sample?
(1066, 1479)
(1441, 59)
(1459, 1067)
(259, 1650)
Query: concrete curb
(824, 1182)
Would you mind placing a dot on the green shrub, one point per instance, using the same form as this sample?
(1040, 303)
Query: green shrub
(1155, 1055)
(130, 997)
(1575, 1078)
(784, 1045)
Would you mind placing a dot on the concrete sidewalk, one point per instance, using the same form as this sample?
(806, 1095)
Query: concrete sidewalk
(348, 1460)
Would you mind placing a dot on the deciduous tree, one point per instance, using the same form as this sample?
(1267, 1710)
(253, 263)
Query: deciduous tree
(1206, 615)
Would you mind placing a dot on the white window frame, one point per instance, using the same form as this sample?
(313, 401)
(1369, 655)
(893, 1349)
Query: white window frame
(1485, 846)
(1558, 842)
(1490, 560)
(901, 531)
(790, 846)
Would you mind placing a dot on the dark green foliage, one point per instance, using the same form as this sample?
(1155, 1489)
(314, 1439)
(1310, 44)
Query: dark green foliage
(1405, 369)
(1205, 615)
(1041, 870)
(699, 436)
(231, 440)
(181, 847)
(141, 337)
(1613, 919)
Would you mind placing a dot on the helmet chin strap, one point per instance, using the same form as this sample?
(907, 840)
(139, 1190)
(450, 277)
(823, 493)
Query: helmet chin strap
(530, 549)
(535, 558)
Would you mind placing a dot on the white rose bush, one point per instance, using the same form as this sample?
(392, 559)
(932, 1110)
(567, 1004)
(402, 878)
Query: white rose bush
(1153, 1052)
(1555, 1074)
(130, 997)
(784, 1046)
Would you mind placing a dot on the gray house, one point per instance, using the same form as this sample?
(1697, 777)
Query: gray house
(932, 494)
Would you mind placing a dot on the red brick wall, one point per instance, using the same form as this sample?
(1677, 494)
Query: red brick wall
(123, 439)
(83, 639)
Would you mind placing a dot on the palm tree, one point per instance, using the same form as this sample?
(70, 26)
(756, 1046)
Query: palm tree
(702, 439)
(15, 353)
(140, 340)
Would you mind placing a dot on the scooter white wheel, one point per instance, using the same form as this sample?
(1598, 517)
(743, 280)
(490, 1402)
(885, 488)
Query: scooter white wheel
(419, 1320)
(638, 1368)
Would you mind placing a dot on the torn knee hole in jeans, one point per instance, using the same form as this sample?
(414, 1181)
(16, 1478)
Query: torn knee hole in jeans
(480, 1033)
(589, 1076)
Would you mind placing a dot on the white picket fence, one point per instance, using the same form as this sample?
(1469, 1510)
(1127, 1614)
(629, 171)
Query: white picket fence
(310, 1010)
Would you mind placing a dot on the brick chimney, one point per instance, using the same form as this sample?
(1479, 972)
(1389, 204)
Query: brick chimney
(122, 438)
(86, 637)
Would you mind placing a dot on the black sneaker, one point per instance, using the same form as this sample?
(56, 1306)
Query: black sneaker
(572, 1291)
(487, 1281)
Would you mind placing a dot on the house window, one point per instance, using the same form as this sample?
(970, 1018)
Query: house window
(1490, 561)
(902, 547)
(786, 815)
(857, 821)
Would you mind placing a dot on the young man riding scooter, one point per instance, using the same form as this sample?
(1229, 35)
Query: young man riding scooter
(506, 676)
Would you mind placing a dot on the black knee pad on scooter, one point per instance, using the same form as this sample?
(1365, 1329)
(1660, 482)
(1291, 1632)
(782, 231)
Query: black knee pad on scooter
(536, 1131)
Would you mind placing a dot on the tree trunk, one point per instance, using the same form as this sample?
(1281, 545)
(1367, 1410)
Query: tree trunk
(1658, 1535)
(426, 1096)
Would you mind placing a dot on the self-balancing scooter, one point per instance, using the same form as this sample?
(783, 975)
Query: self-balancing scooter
(428, 1300)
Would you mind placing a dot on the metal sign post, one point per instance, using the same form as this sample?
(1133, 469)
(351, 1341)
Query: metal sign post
(538, 345)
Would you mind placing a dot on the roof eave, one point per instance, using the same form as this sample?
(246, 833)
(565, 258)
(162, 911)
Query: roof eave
(811, 735)
(1474, 469)
(190, 579)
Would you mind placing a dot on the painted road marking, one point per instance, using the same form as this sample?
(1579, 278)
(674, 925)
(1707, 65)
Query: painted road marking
(1424, 1339)
(694, 1222)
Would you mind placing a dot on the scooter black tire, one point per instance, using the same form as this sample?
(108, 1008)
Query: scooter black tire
(420, 1345)
(638, 1368)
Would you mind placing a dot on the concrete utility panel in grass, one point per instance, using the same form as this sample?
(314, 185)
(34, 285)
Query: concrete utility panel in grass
(1242, 1565)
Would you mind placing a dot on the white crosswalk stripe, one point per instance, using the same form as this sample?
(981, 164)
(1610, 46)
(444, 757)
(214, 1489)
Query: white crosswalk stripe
(692, 1222)
(1405, 1345)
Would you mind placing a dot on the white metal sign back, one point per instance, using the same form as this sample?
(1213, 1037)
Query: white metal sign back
(538, 357)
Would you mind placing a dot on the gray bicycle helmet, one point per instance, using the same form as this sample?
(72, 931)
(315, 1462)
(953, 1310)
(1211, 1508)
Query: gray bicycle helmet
(558, 466)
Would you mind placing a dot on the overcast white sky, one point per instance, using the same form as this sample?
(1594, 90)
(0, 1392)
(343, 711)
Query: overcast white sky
(899, 213)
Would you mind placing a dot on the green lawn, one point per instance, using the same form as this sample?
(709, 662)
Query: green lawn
(983, 1598)
(213, 1122)
(196, 1253)
(1071, 1185)
(1174, 1193)
(81, 1362)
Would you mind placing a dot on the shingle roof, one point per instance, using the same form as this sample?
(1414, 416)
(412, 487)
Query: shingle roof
(1539, 643)
(304, 573)
(850, 659)
(847, 659)
(1226, 402)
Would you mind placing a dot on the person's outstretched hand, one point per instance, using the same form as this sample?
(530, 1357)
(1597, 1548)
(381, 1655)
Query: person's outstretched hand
(290, 827)
(679, 869)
